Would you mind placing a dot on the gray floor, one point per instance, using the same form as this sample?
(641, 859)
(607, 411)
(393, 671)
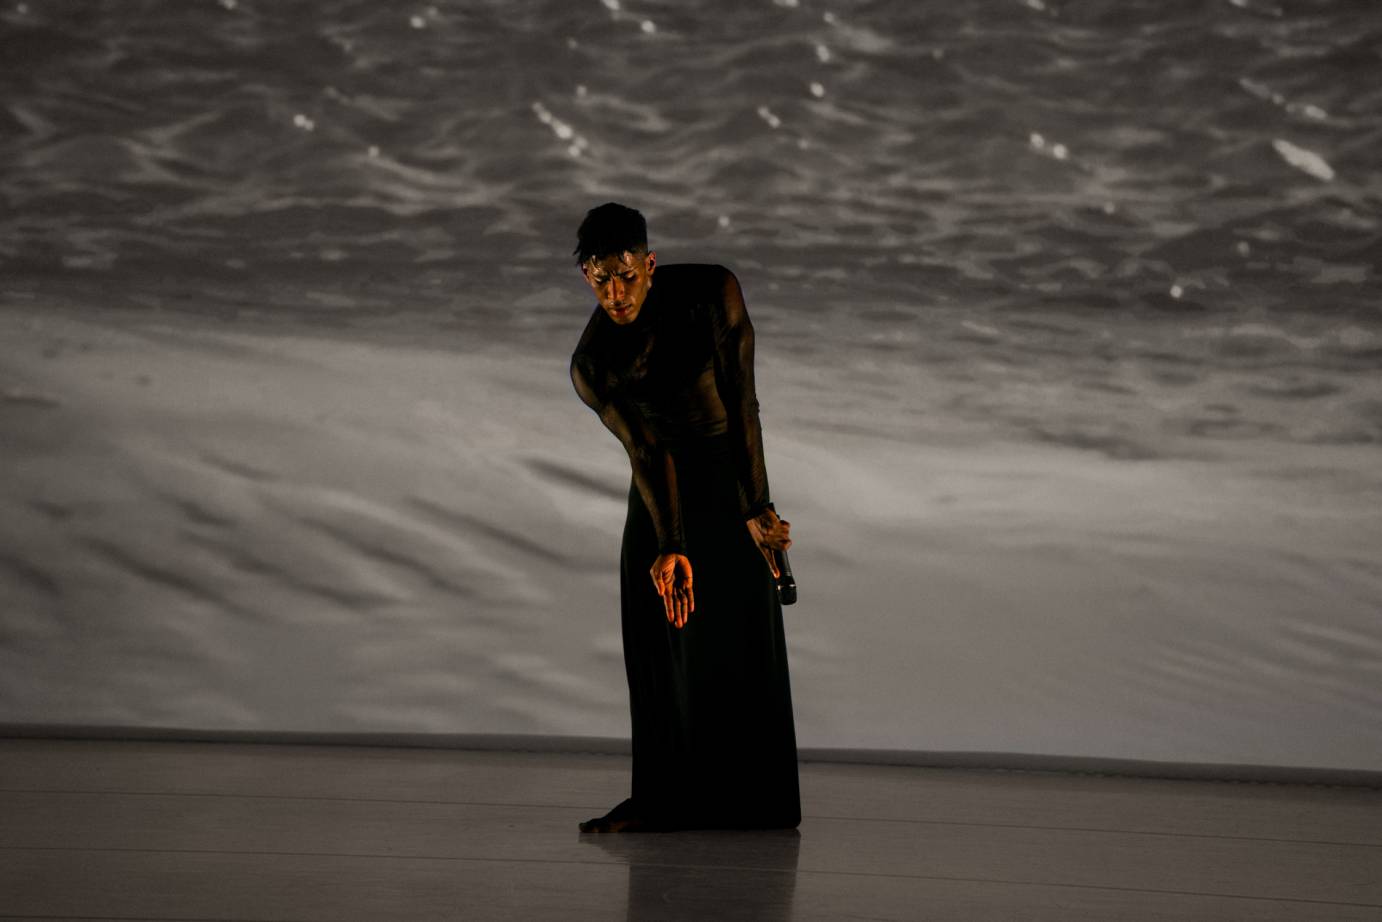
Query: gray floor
(229, 831)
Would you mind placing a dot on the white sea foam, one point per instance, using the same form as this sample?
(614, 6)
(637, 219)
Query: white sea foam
(561, 129)
(1056, 150)
(768, 116)
(859, 38)
(982, 329)
(1261, 90)
(1304, 160)
(1258, 8)
(1267, 94)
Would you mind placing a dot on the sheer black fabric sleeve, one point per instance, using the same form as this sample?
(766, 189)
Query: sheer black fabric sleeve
(734, 381)
(654, 473)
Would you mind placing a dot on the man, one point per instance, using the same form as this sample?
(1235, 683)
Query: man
(668, 367)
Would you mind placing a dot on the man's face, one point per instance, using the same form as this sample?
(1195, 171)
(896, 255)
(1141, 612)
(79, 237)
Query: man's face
(621, 282)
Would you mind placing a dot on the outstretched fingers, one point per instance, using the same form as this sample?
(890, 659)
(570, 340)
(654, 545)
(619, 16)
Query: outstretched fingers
(683, 600)
(669, 598)
(683, 584)
(671, 575)
(686, 601)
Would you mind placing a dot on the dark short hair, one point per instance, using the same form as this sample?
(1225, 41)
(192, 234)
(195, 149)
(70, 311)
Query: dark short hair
(611, 228)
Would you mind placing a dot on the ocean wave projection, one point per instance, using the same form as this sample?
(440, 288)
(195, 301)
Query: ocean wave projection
(874, 172)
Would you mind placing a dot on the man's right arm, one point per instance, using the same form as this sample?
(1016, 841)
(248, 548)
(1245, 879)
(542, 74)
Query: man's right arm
(654, 473)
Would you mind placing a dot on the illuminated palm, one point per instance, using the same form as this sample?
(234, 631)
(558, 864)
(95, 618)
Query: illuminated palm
(671, 575)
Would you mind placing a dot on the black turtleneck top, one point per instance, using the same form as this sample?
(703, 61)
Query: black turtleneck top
(682, 370)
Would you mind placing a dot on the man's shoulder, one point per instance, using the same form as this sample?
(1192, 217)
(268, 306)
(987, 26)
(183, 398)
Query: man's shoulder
(692, 277)
(587, 344)
(694, 282)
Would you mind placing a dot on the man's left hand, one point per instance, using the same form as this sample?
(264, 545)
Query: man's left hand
(770, 534)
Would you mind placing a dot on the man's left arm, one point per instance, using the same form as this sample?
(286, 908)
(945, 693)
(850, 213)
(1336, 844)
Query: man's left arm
(734, 382)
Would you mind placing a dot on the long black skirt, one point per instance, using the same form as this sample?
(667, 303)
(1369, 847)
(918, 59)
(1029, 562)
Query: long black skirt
(714, 742)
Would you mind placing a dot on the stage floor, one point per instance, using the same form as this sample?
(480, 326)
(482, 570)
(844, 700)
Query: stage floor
(232, 831)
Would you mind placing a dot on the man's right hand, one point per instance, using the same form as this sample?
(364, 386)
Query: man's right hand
(671, 575)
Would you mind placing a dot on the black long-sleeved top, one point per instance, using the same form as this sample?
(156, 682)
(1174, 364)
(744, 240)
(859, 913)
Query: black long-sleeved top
(683, 369)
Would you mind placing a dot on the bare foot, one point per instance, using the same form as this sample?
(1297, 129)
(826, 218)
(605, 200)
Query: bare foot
(623, 818)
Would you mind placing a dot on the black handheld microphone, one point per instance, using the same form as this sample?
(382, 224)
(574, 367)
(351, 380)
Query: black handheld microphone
(786, 583)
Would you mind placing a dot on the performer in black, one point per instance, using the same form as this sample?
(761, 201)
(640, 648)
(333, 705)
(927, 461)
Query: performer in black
(669, 370)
